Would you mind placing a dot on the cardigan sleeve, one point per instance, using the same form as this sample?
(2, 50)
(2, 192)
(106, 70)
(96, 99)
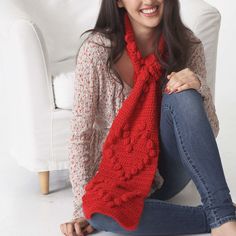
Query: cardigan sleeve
(196, 62)
(84, 111)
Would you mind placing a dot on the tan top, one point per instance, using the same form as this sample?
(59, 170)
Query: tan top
(97, 99)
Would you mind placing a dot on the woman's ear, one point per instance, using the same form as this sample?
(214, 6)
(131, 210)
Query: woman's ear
(120, 3)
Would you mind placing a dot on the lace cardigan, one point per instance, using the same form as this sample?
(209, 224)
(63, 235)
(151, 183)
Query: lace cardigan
(97, 99)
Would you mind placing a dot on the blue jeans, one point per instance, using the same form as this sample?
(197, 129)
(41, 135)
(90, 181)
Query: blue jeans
(188, 150)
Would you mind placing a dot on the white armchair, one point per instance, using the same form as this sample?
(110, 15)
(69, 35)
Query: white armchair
(40, 40)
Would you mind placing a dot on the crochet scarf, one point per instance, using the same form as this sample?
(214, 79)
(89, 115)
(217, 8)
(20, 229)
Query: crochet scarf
(131, 149)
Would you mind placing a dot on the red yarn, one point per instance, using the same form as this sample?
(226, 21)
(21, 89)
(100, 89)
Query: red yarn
(131, 149)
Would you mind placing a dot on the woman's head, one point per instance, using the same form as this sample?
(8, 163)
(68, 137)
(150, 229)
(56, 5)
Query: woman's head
(146, 15)
(165, 19)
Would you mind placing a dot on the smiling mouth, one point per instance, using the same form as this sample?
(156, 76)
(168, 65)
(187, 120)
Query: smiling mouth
(150, 10)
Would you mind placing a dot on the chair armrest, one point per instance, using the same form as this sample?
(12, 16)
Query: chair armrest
(32, 103)
(28, 64)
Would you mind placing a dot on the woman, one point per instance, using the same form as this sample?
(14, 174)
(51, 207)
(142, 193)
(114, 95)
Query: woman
(188, 122)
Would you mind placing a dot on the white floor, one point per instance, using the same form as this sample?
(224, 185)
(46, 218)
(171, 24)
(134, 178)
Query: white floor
(25, 212)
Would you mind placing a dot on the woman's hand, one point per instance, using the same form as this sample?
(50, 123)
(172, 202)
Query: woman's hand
(77, 227)
(182, 80)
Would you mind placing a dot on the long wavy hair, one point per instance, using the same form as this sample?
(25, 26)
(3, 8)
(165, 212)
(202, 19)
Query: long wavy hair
(110, 23)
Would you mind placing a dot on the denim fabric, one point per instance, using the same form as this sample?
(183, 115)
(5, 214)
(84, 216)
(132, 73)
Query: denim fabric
(188, 150)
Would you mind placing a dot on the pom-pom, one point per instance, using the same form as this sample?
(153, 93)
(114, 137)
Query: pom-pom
(142, 126)
(150, 144)
(134, 171)
(129, 148)
(152, 153)
(125, 197)
(145, 160)
(140, 166)
(117, 201)
(117, 166)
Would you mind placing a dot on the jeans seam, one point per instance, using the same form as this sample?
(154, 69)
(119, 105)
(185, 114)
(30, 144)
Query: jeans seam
(222, 220)
(167, 204)
(190, 162)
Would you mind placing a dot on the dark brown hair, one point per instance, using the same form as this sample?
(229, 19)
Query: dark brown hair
(110, 23)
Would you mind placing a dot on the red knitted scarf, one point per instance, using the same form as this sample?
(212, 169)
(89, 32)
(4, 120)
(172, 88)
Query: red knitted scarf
(131, 149)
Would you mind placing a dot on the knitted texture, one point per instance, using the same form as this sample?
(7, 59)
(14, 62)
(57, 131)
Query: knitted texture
(131, 149)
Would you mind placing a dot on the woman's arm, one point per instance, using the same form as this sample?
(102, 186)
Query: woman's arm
(196, 63)
(84, 112)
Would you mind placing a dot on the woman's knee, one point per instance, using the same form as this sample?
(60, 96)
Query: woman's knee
(187, 100)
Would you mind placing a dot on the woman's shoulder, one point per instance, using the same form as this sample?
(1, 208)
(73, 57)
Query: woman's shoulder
(194, 41)
(195, 45)
(94, 48)
(192, 35)
(96, 42)
(99, 39)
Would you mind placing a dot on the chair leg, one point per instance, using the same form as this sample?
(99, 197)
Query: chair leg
(44, 182)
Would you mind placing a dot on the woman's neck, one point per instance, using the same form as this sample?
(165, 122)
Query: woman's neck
(146, 40)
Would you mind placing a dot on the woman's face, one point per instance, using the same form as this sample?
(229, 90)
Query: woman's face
(143, 13)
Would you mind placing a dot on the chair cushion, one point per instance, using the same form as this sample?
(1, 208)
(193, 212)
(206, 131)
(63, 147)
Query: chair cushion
(63, 84)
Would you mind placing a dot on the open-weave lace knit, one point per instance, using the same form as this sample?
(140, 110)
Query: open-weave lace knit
(131, 149)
